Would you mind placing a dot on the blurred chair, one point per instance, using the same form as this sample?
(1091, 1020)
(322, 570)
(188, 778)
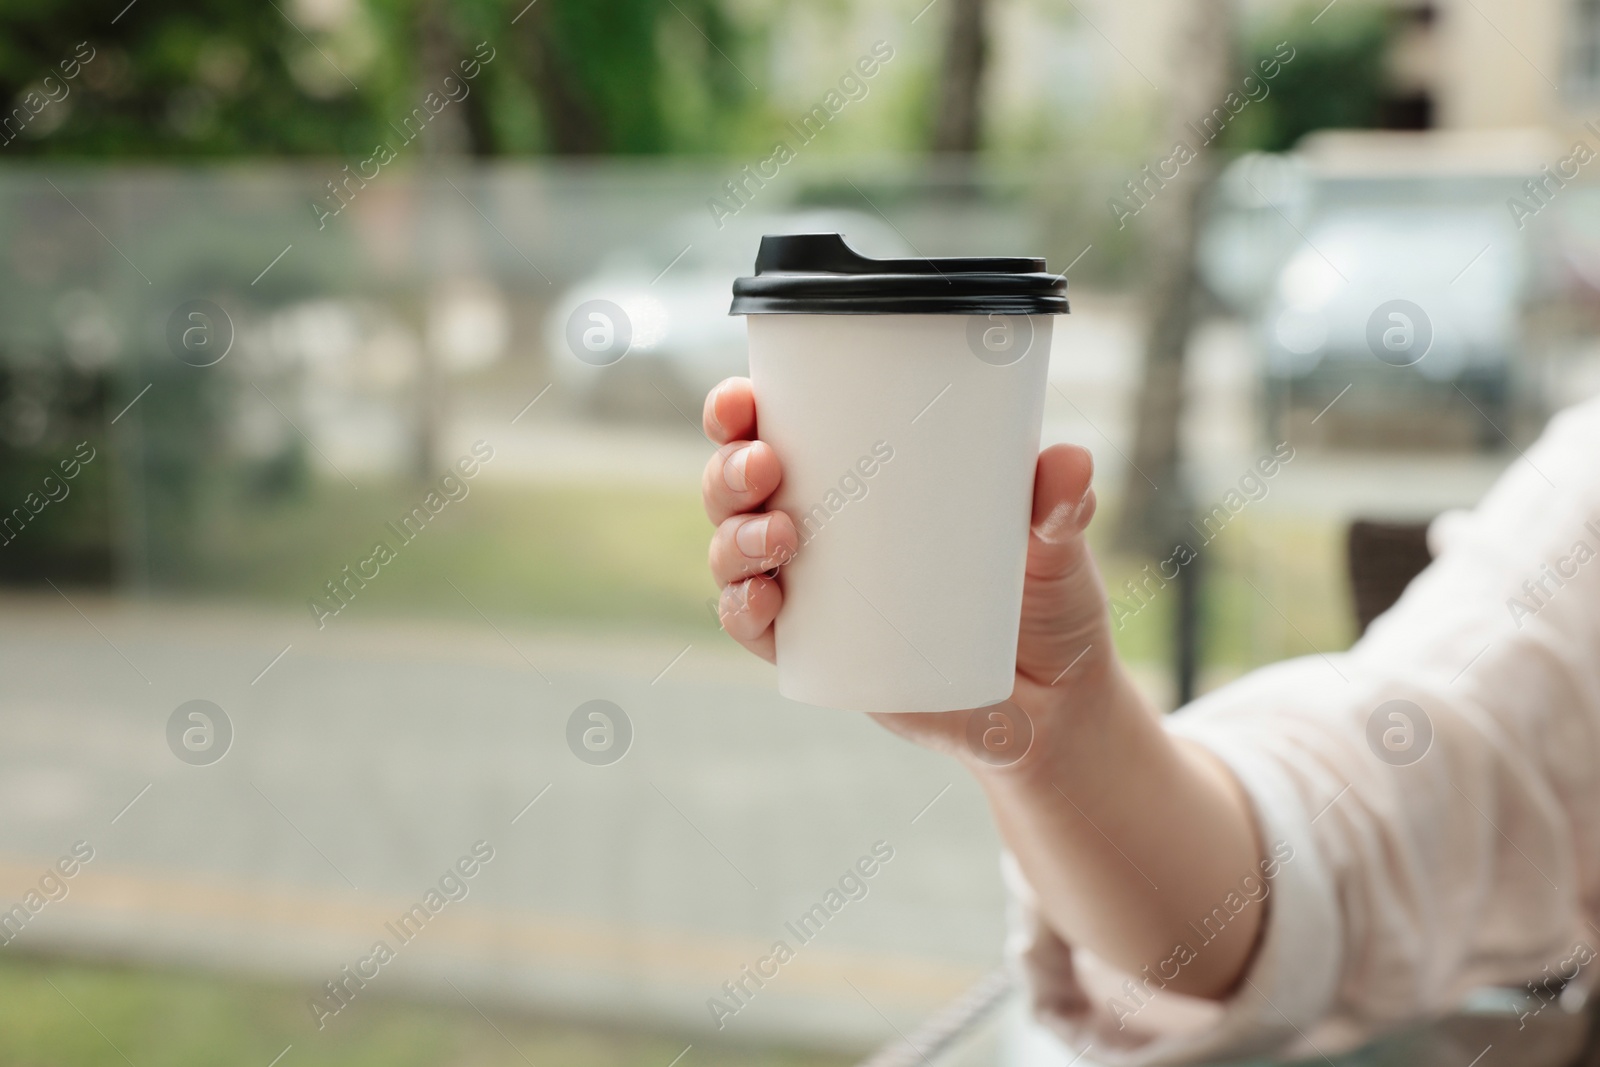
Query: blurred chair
(1382, 558)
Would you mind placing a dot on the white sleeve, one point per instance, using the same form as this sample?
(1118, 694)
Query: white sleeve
(1431, 854)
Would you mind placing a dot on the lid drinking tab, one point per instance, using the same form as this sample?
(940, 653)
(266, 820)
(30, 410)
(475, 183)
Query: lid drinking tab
(819, 274)
(826, 253)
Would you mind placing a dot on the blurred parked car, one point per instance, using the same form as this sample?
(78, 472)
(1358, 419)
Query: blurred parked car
(674, 339)
(1404, 300)
(1384, 271)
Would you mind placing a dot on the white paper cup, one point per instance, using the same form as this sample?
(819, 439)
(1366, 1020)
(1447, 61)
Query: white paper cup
(908, 443)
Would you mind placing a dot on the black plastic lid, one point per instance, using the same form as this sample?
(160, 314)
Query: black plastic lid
(818, 274)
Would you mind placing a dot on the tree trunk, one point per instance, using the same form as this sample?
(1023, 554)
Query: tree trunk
(958, 124)
(438, 50)
(572, 124)
(1155, 501)
(447, 136)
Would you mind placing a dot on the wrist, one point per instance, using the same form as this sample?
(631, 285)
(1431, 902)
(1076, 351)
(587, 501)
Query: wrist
(1066, 726)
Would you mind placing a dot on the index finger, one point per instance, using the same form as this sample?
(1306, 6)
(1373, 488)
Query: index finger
(730, 411)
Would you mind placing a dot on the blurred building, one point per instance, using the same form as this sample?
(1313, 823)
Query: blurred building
(1493, 64)
(1452, 64)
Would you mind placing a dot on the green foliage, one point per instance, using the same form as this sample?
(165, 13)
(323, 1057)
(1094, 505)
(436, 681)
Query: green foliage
(206, 79)
(616, 62)
(1336, 79)
(55, 517)
(326, 77)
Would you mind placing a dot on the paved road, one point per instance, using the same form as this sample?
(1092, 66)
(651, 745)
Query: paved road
(372, 756)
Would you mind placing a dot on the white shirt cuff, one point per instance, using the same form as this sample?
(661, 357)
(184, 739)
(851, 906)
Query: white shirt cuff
(1292, 978)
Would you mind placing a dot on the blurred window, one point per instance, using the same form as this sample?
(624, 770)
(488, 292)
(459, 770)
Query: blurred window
(1584, 65)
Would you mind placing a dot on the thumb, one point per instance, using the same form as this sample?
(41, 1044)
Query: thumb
(1064, 602)
(1063, 501)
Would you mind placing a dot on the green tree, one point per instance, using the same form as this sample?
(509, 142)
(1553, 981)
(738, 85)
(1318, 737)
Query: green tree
(598, 72)
(958, 120)
(325, 77)
(1337, 79)
(209, 78)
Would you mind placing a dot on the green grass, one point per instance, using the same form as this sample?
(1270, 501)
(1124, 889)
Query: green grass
(1272, 588)
(636, 559)
(181, 1019)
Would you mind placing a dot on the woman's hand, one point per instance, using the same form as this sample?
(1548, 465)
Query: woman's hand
(1064, 636)
(1103, 806)
(748, 542)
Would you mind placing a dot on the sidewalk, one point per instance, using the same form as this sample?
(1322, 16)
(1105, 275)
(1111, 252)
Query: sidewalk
(370, 757)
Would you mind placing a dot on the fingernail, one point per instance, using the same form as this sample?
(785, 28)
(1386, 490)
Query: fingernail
(751, 537)
(1062, 517)
(735, 599)
(1066, 519)
(711, 412)
(733, 470)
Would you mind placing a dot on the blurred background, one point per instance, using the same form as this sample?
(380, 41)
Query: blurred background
(276, 276)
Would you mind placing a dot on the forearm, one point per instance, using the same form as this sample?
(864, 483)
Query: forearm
(1129, 836)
